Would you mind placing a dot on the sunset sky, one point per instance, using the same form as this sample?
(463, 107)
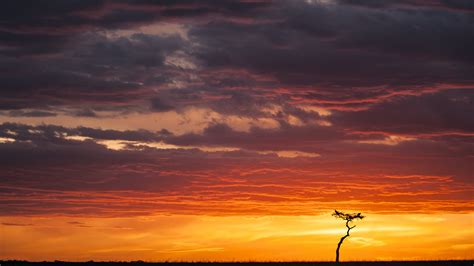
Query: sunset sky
(230, 130)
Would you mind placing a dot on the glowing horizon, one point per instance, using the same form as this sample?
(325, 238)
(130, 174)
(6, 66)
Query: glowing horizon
(230, 130)
(239, 238)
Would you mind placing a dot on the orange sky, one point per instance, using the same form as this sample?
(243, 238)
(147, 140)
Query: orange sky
(217, 238)
(230, 130)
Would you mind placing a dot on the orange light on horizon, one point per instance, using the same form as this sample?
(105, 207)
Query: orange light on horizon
(237, 238)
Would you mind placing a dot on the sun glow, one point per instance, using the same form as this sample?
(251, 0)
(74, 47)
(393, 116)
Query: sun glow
(224, 238)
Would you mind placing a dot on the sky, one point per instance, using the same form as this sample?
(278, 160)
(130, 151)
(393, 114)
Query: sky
(230, 130)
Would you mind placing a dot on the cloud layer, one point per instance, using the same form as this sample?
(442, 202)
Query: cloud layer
(130, 108)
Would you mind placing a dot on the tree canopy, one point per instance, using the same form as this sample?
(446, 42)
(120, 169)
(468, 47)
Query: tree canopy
(347, 216)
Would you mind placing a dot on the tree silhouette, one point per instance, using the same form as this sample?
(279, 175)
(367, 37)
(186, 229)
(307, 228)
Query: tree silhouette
(348, 217)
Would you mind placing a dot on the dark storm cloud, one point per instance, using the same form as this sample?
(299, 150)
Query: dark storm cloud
(54, 133)
(44, 150)
(21, 113)
(97, 70)
(331, 55)
(343, 46)
(138, 50)
(69, 52)
(336, 145)
(22, 44)
(240, 102)
(158, 105)
(41, 27)
(87, 112)
(330, 142)
(427, 36)
(458, 5)
(447, 111)
(286, 137)
(30, 87)
(131, 135)
(59, 20)
(61, 15)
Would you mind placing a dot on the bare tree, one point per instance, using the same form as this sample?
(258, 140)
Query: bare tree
(348, 217)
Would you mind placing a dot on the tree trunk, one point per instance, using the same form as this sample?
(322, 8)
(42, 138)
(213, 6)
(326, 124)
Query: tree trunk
(342, 239)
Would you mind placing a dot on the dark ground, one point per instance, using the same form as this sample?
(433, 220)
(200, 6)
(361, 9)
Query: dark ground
(359, 263)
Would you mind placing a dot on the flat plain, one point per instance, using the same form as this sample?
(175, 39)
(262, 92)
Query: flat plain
(351, 263)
